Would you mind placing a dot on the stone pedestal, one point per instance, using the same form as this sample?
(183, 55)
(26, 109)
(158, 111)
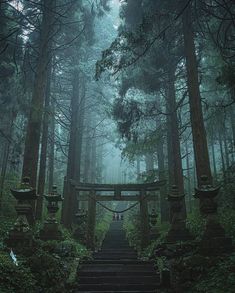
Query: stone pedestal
(80, 231)
(214, 241)
(50, 229)
(153, 216)
(178, 230)
(20, 236)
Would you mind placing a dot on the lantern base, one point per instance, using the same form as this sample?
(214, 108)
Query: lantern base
(50, 231)
(178, 234)
(19, 239)
(214, 241)
(215, 246)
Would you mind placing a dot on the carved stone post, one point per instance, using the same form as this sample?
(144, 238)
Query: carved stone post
(214, 240)
(51, 230)
(91, 221)
(144, 220)
(178, 230)
(21, 235)
(81, 218)
(153, 222)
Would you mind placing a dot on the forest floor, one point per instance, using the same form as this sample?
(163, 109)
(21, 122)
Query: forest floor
(54, 265)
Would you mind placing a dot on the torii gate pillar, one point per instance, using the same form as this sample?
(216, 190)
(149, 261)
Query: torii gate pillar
(144, 218)
(91, 221)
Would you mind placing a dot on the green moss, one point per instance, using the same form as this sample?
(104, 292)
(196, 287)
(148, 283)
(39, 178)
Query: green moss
(219, 278)
(15, 278)
(227, 219)
(48, 270)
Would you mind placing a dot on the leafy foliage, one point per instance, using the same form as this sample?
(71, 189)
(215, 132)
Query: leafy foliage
(15, 278)
(219, 278)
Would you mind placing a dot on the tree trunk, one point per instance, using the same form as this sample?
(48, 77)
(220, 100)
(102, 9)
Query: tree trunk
(222, 155)
(226, 148)
(51, 148)
(79, 140)
(69, 197)
(138, 168)
(100, 152)
(198, 129)
(32, 141)
(162, 176)
(232, 119)
(175, 140)
(5, 157)
(93, 159)
(87, 157)
(164, 206)
(176, 163)
(188, 177)
(44, 143)
(213, 159)
(169, 154)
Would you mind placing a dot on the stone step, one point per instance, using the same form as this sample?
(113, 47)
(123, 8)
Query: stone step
(141, 267)
(120, 279)
(152, 291)
(115, 255)
(116, 268)
(115, 244)
(117, 250)
(116, 274)
(115, 239)
(113, 287)
(118, 262)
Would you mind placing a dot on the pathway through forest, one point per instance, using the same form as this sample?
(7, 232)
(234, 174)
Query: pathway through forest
(116, 268)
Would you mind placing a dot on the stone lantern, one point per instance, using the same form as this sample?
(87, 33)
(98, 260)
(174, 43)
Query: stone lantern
(21, 235)
(153, 216)
(81, 217)
(213, 240)
(51, 230)
(178, 230)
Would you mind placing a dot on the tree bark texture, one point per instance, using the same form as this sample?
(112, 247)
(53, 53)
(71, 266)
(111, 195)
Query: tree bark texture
(164, 206)
(44, 143)
(176, 161)
(69, 197)
(32, 141)
(51, 147)
(70, 203)
(198, 129)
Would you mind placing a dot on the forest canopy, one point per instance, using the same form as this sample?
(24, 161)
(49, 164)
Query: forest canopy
(105, 99)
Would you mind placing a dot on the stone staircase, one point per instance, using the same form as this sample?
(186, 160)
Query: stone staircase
(116, 268)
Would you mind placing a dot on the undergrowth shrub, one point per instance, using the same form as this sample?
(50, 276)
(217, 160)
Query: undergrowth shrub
(15, 278)
(102, 227)
(219, 278)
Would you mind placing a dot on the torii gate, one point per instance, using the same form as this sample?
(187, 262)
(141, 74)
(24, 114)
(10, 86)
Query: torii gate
(98, 193)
